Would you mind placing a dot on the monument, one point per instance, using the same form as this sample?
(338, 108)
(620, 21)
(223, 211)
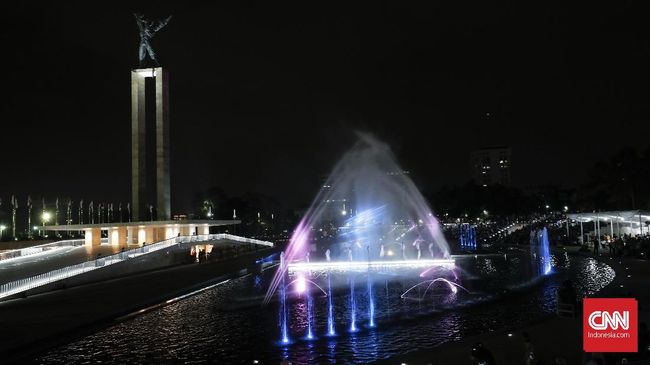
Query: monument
(141, 183)
(150, 165)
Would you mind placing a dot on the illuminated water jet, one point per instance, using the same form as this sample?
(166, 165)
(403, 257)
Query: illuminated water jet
(301, 285)
(371, 303)
(310, 317)
(453, 287)
(353, 309)
(330, 316)
(383, 208)
(545, 255)
(540, 253)
(364, 265)
(467, 236)
(283, 306)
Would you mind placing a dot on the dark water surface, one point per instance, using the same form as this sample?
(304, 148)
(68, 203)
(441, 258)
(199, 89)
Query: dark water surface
(227, 325)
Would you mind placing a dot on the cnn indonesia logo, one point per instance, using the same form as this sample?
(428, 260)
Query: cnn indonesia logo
(609, 325)
(609, 320)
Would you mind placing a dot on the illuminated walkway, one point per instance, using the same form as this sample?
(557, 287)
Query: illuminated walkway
(25, 283)
(59, 257)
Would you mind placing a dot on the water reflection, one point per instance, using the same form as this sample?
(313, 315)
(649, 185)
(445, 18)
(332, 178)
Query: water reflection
(223, 325)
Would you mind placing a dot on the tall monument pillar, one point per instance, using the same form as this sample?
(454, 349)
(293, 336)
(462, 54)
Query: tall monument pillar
(139, 183)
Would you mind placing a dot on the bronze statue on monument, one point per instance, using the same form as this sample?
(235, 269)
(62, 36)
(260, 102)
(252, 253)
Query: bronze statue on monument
(148, 28)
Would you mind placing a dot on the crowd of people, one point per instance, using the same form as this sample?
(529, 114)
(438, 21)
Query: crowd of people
(624, 245)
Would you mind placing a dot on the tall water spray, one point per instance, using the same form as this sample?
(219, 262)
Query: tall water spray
(371, 303)
(544, 253)
(310, 316)
(353, 309)
(372, 203)
(284, 332)
(330, 314)
(540, 253)
(467, 236)
(371, 300)
(330, 310)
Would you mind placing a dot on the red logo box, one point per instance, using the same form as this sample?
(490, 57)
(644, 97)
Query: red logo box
(610, 325)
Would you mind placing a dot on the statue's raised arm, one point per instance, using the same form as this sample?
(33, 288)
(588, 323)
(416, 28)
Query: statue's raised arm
(161, 24)
(139, 19)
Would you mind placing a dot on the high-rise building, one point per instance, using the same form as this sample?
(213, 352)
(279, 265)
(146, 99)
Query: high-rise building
(491, 166)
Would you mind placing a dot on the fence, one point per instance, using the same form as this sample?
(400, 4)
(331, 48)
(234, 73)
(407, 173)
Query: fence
(223, 236)
(22, 252)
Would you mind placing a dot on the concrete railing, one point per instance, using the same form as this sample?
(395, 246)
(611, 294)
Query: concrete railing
(22, 252)
(21, 285)
(223, 236)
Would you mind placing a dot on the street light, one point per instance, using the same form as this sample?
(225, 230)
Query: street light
(2, 229)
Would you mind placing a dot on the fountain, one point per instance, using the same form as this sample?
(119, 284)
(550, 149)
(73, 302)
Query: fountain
(540, 253)
(453, 287)
(353, 307)
(372, 202)
(371, 303)
(544, 253)
(330, 316)
(310, 317)
(368, 218)
(300, 287)
(467, 236)
(283, 306)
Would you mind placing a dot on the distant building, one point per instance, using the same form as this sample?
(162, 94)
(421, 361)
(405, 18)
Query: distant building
(491, 166)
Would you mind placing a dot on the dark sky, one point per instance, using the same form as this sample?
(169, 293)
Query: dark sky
(265, 97)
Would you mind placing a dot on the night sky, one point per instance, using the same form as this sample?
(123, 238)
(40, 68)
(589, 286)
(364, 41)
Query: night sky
(266, 97)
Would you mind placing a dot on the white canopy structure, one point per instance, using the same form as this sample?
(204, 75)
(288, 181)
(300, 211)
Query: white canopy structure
(619, 222)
